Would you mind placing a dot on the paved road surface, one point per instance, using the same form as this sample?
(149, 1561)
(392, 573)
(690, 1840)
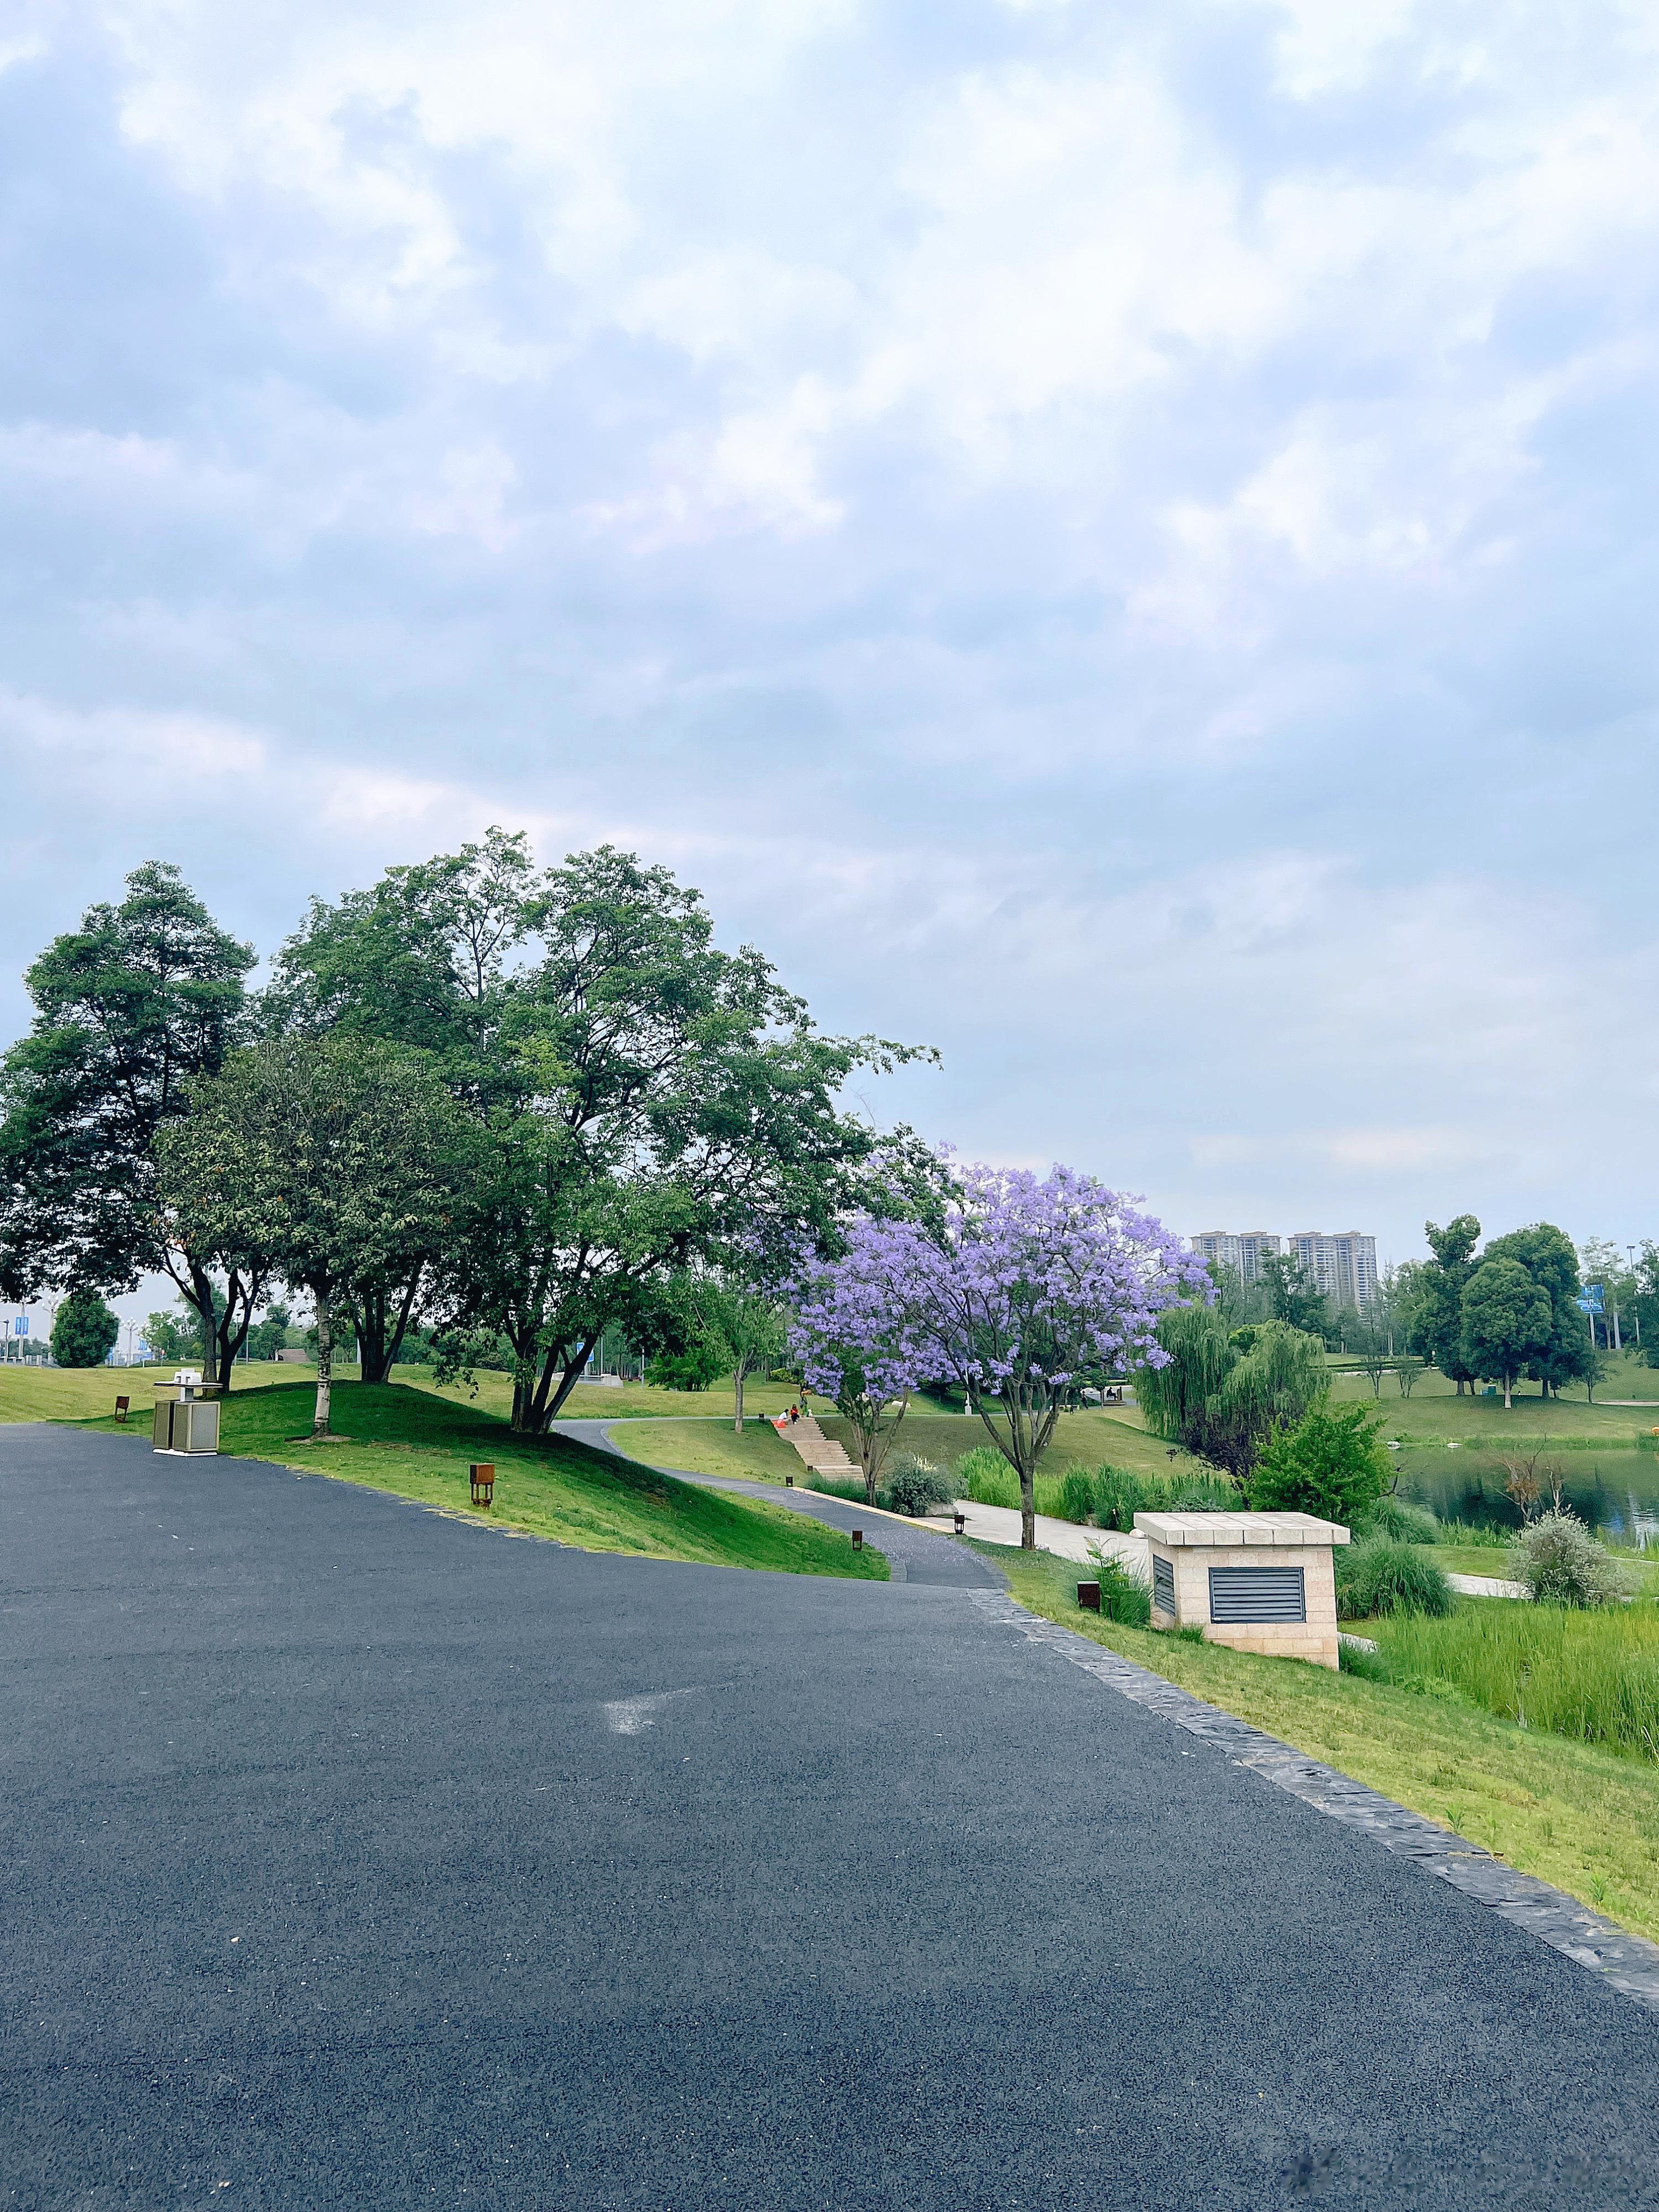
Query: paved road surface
(356, 1857)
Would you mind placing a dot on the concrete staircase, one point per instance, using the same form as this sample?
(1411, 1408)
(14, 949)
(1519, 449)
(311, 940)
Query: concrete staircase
(821, 1453)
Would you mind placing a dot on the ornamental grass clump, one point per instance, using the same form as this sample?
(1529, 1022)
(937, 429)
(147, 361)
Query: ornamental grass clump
(1380, 1577)
(1588, 1671)
(1401, 1522)
(985, 1476)
(1561, 1563)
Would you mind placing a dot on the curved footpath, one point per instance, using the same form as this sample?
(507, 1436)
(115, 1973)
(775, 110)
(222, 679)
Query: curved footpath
(358, 1855)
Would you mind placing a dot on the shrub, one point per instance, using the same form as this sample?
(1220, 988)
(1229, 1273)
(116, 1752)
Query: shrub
(913, 1485)
(1382, 1577)
(1123, 1597)
(1561, 1563)
(1401, 1522)
(1202, 1493)
(84, 1330)
(1330, 1463)
(1076, 1498)
(1119, 1495)
(986, 1477)
(694, 1368)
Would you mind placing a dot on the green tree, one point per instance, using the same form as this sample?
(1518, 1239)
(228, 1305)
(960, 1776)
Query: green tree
(1295, 1298)
(1646, 1302)
(1566, 1353)
(1435, 1329)
(421, 960)
(268, 1334)
(647, 1099)
(1332, 1463)
(333, 1157)
(84, 1332)
(747, 1322)
(131, 1009)
(175, 1341)
(1222, 1402)
(1507, 1321)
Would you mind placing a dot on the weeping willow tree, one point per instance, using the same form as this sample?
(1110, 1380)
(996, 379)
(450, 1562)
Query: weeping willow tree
(1222, 1404)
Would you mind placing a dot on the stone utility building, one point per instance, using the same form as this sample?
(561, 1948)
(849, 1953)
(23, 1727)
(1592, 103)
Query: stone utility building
(1343, 1266)
(1260, 1581)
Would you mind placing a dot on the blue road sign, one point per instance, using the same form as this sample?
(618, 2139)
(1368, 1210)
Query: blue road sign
(21, 1326)
(1590, 1298)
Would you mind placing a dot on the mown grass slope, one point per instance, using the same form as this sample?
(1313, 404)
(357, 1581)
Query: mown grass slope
(419, 1445)
(1577, 1814)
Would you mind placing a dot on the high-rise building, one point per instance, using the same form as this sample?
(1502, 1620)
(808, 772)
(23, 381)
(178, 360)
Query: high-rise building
(1243, 1253)
(1344, 1265)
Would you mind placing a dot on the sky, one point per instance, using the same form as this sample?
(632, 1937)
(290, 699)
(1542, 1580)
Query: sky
(1113, 540)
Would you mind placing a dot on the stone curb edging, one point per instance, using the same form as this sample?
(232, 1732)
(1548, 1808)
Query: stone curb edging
(1627, 1963)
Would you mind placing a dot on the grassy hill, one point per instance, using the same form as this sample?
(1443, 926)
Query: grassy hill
(419, 1445)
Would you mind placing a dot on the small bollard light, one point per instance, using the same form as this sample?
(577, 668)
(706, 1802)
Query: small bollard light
(788, 1481)
(1088, 1596)
(483, 1482)
(123, 1407)
(858, 1540)
(961, 1522)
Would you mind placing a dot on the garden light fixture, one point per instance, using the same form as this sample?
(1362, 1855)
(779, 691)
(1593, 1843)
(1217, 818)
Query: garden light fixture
(483, 1481)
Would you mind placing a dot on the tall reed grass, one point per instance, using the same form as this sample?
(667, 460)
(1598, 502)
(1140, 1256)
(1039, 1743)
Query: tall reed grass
(1594, 1676)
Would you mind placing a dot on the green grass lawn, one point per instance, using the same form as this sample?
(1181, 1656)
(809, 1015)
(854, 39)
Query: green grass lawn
(1577, 1814)
(759, 1454)
(1088, 1439)
(418, 1444)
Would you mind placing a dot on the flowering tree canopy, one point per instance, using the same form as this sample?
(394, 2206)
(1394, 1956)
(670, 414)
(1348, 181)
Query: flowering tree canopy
(854, 1347)
(1028, 1289)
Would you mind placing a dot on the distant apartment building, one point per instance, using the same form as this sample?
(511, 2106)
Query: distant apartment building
(1243, 1253)
(1344, 1265)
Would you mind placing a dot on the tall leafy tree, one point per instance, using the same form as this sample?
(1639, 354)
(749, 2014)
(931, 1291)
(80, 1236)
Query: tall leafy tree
(420, 960)
(1566, 1353)
(1295, 1298)
(648, 1100)
(1222, 1401)
(1435, 1331)
(1507, 1320)
(141, 1000)
(84, 1330)
(333, 1158)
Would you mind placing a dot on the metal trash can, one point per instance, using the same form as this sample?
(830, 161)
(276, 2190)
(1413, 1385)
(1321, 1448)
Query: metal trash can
(186, 1415)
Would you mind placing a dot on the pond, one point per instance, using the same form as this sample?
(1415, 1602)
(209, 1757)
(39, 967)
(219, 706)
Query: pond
(1610, 1488)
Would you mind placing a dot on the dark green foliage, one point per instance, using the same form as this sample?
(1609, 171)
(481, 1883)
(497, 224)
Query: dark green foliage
(1566, 1354)
(84, 1332)
(1382, 1577)
(913, 1485)
(1437, 1286)
(700, 1363)
(129, 1009)
(174, 1339)
(1296, 1299)
(1507, 1321)
(1401, 1522)
(1331, 1464)
(1220, 1403)
(1119, 1495)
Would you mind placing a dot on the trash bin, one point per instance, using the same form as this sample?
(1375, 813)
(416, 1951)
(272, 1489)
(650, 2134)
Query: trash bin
(186, 1415)
(1260, 1581)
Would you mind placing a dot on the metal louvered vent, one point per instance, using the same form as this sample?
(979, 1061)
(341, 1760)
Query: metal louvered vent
(1253, 1594)
(1163, 1585)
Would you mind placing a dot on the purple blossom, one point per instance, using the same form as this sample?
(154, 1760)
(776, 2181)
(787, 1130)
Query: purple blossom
(1029, 1285)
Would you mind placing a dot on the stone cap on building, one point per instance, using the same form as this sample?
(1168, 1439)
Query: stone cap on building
(1238, 1532)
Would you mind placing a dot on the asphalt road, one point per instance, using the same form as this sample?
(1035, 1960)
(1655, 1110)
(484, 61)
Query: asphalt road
(354, 1857)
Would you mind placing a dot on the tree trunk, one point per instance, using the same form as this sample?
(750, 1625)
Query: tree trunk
(1508, 1402)
(325, 1366)
(737, 1389)
(1027, 1509)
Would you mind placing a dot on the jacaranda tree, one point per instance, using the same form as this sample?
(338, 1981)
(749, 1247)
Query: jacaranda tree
(852, 1337)
(1023, 1289)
